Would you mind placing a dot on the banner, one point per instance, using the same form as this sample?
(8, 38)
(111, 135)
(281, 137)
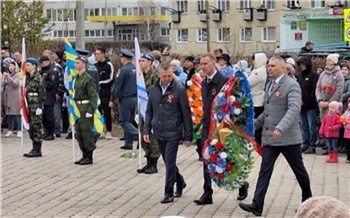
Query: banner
(22, 77)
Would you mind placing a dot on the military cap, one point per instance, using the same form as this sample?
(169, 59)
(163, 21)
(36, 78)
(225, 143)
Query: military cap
(82, 58)
(126, 53)
(347, 58)
(43, 58)
(189, 58)
(148, 56)
(33, 61)
(82, 51)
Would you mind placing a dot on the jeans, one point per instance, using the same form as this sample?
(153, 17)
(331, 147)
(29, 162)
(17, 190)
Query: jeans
(168, 150)
(10, 121)
(126, 117)
(57, 112)
(308, 127)
(332, 144)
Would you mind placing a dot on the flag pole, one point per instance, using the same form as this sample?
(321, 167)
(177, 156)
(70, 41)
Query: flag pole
(140, 135)
(73, 142)
(22, 136)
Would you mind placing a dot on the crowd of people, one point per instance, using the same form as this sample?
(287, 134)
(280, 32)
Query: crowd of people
(284, 91)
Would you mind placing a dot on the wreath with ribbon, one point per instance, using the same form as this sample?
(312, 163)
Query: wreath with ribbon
(194, 94)
(228, 149)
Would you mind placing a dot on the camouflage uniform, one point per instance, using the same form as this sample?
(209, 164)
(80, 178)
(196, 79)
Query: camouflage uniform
(151, 149)
(85, 98)
(35, 95)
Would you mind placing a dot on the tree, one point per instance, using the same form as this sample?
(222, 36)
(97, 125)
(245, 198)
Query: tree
(20, 19)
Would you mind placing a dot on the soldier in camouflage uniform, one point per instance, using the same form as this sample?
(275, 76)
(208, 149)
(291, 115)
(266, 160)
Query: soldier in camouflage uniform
(35, 95)
(86, 100)
(151, 149)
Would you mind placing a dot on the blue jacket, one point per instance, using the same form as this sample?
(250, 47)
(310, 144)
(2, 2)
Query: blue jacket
(125, 84)
(227, 71)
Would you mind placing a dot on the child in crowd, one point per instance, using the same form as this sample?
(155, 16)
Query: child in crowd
(319, 69)
(330, 130)
(346, 123)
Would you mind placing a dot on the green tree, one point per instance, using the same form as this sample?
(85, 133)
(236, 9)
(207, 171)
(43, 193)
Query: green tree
(21, 19)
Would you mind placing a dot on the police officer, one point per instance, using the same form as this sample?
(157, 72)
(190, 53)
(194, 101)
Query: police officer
(51, 80)
(151, 149)
(125, 90)
(85, 99)
(35, 95)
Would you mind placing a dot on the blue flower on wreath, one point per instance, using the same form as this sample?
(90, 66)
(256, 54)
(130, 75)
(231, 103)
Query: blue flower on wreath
(211, 149)
(211, 168)
(220, 162)
(232, 110)
(220, 115)
(221, 101)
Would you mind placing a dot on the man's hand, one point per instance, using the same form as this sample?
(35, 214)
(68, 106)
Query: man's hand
(58, 97)
(110, 104)
(187, 143)
(323, 104)
(277, 134)
(146, 138)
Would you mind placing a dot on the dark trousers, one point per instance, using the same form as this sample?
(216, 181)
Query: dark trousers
(65, 118)
(106, 111)
(258, 133)
(293, 156)
(168, 150)
(206, 176)
(126, 118)
(49, 119)
(347, 146)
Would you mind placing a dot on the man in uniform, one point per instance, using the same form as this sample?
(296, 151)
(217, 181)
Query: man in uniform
(85, 99)
(125, 90)
(151, 149)
(51, 84)
(35, 91)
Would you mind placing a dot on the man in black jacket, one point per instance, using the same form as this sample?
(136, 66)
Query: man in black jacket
(309, 106)
(51, 79)
(168, 113)
(106, 76)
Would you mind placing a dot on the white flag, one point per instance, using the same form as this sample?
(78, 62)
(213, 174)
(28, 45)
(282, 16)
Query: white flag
(142, 97)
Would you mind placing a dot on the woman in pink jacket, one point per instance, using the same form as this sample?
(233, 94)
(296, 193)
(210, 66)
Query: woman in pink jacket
(330, 130)
(347, 132)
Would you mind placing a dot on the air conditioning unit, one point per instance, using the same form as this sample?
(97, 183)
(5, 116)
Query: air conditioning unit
(203, 16)
(261, 14)
(248, 14)
(176, 16)
(216, 16)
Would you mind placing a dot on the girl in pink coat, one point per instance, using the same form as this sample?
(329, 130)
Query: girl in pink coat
(347, 132)
(330, 130)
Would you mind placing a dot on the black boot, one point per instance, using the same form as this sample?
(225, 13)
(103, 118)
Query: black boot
(50, 135)
(153, 167)
(46, 133)
(69, 136)
(243, 192)
(88, 159)
(82, 158)
(36, 151)
(142, 170)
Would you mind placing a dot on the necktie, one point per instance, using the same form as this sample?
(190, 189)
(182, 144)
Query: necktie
(272, 86)
(208, 80)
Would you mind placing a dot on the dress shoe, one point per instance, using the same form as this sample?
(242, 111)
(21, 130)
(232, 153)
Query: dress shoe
(33, 153)
(49, 138)
(167, 199)
(204, 199)
(69, 136)
(58, 135)
(79, 161)
(243, 192)
(86, 161)
(126, 147)
(178, 192)
(252, 208)
(122, 138)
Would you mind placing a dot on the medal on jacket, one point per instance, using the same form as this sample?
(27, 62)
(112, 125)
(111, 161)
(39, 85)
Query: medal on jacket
(278, 94)
(213, 92)
(170, 98)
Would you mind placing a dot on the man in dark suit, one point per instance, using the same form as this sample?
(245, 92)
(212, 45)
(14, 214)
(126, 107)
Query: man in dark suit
(281, 134)
(211, 85)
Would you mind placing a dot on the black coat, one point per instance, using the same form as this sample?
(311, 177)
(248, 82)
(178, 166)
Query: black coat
(308, 83)
(169, 113)
(209, 91)
(106, 77)
(51, 81)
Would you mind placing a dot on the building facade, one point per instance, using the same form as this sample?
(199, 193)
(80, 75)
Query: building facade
(248, 26)
(111, 20)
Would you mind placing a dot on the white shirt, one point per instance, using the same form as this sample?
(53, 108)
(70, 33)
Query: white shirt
(211, 77)
(164, 88)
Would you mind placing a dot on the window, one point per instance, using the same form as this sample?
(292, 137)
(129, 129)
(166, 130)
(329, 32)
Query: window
(244, 4)
(269, 4)
(182, 35)
(71, 33)
(292, 3)
(136, 11)
(60, 33)
(201, 35)
(200, 5)
(344, 2)
(318, 3)
(223, 5)
(163, 11)
(182, 6)
(245, 34)
(223, 34)
(269, 34)
(110, 33)
(164, 32)
(98, 33)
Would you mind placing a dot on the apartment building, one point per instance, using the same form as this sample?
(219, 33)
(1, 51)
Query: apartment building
(242, 27)
(111, 20)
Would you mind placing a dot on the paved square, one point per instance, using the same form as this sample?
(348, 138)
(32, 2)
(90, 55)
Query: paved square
(52, 186)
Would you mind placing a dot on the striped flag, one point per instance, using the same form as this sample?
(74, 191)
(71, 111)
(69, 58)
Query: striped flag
(72, 73)
(142, 97)
(23, 100)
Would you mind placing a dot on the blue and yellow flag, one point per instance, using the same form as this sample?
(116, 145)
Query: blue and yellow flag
(74, 113)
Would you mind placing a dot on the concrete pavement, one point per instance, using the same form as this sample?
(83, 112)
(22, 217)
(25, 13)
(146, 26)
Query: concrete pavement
(52, 186)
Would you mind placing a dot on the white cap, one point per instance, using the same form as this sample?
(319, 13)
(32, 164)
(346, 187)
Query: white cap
(291, 61)
(333, 57)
